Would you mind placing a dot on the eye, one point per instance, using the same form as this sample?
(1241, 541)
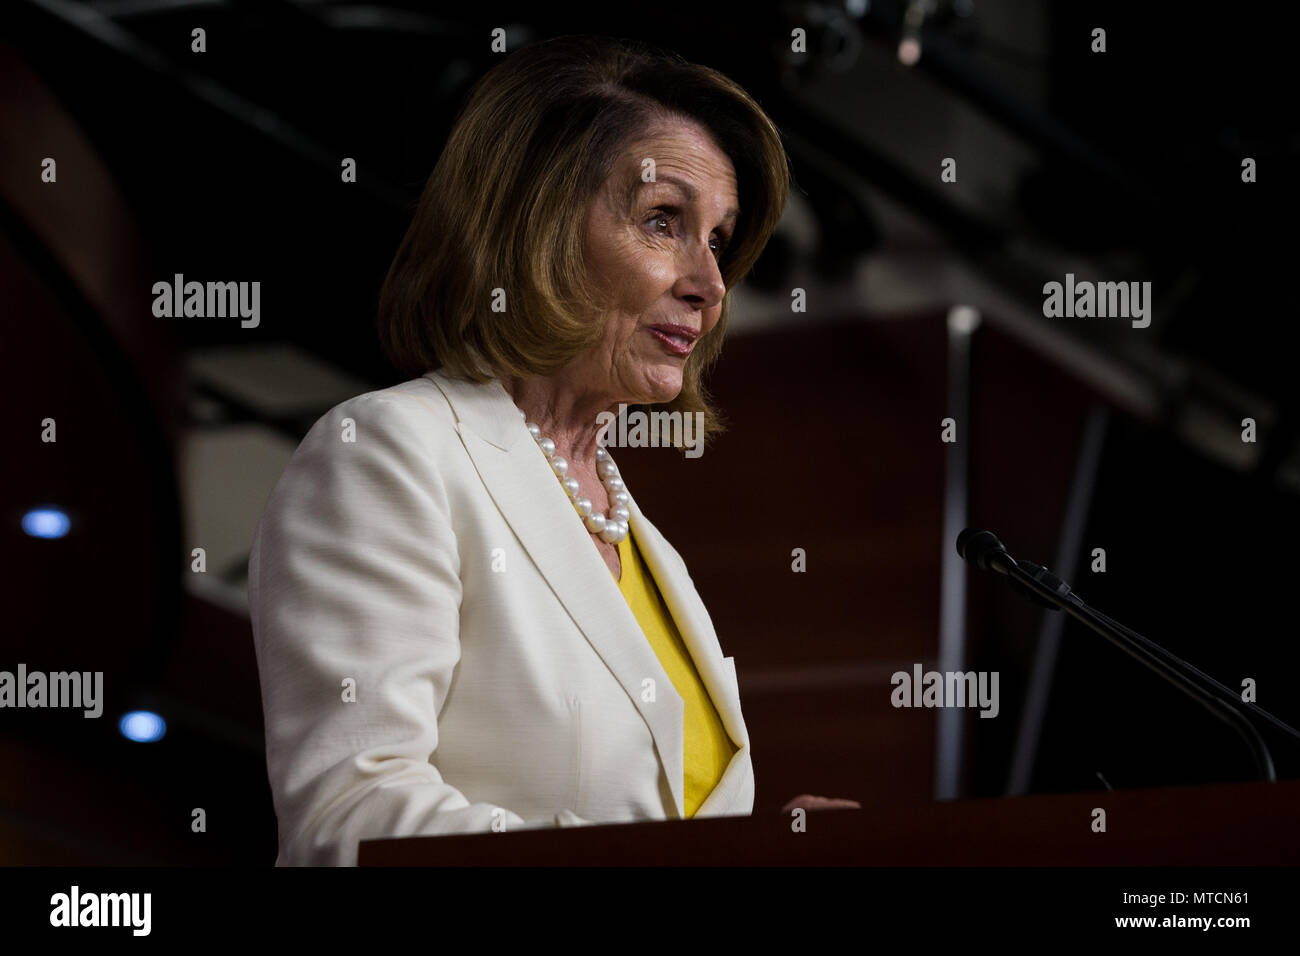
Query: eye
(666, 215)
(662, 216)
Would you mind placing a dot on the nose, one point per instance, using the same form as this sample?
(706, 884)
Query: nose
(700, 282)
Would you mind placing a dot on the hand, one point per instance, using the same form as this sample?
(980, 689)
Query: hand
(808, 802)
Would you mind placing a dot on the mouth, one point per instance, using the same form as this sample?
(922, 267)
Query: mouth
(677, 339)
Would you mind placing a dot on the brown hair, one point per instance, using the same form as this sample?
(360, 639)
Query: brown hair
(504, 208)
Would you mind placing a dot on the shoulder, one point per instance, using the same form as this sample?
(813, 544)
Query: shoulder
(413, 408)
(383, 444)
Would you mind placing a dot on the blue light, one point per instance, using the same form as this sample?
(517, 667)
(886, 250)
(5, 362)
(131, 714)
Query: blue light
(142, 726)
(46, 523)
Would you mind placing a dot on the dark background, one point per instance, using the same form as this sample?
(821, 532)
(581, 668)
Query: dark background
(224, 165)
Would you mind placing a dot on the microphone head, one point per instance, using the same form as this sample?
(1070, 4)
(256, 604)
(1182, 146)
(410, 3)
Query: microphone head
(977, 545)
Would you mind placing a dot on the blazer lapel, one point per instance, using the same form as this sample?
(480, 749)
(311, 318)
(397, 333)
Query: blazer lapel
(693, 622)
(530, 497)
(730, 795)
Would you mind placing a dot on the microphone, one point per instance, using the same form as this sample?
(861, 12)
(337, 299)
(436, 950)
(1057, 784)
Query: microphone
(984, 550)
(1035, 582)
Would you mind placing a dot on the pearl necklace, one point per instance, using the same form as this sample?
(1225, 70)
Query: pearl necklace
(611, 529)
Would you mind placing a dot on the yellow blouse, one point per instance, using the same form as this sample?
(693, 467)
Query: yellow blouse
(708, 749)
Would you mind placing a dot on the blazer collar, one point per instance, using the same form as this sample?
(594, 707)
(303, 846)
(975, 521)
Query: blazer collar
(485, 407)
(532, 501)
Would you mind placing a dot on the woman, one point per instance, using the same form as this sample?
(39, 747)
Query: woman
(463, 620)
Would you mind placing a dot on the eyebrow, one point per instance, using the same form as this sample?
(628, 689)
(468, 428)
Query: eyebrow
(689, 189)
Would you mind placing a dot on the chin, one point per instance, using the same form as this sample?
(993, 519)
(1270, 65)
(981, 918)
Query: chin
(661, 392)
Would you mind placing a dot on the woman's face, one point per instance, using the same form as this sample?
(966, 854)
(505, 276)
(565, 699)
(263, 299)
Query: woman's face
(657, 260)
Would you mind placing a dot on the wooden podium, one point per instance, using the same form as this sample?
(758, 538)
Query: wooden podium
(1253, 824)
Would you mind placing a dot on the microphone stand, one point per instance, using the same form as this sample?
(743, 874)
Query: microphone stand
(1044, 588)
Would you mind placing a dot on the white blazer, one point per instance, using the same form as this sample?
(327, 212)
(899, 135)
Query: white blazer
(442, 649)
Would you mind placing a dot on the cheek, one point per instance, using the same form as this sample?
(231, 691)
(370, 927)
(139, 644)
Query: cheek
(644, 273)
(633, 270)
(712, 316)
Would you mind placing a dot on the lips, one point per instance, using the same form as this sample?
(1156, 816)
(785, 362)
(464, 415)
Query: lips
(677, 339)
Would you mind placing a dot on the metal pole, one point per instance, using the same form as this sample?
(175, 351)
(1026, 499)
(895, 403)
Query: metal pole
(962, 322)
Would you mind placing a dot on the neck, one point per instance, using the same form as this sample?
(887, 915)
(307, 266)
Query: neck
(565, 414)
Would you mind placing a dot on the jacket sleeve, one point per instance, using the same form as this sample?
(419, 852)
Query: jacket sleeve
(354, 593)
